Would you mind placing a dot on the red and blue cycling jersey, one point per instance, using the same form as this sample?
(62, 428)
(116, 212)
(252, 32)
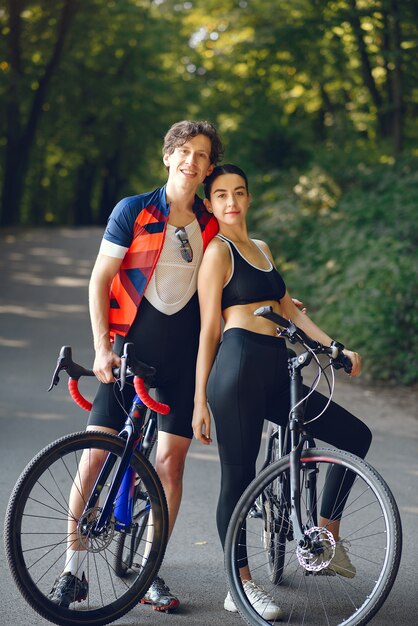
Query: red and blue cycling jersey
(135, 232)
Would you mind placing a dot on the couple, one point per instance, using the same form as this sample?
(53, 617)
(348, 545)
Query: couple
(144, 289)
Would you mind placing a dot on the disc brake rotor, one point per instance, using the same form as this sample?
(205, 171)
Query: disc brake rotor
(318, 551)
(89, 540)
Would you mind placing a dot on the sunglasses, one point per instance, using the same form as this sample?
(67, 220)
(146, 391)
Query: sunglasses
(185, 247)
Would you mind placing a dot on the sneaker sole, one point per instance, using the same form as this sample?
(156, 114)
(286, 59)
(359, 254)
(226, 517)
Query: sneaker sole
(174, 604)
(342, 572)
(64, 605)
(82, 598)
(273, 615)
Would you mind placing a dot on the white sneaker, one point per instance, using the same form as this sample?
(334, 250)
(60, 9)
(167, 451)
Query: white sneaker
(229, 604)
(259, 599)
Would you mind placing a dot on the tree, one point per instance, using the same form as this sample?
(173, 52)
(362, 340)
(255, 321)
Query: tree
(22, 124)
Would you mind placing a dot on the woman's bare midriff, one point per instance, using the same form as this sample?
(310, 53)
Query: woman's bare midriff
(242, 316)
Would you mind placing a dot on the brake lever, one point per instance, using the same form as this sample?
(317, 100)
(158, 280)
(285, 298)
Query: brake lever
(122, 371)
(288, 333)
(343, 362)
(55, 376)
(62, 364)
(65, 362)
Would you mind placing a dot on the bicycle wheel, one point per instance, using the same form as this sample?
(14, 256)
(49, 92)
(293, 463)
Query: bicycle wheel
(370, 529)
(275, 513)
(36, 532)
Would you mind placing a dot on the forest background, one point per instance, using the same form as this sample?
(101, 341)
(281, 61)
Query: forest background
(316, 99)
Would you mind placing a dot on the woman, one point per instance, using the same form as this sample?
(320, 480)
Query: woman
(246, 380)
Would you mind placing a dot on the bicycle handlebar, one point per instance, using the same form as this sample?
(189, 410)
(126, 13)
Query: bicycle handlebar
(143, 375)
(296, 335)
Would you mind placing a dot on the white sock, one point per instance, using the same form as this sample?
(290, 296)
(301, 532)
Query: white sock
(74, 562)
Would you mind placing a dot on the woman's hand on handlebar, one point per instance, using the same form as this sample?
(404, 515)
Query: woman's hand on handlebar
(104, 361)
(201, 423)
(355, 359)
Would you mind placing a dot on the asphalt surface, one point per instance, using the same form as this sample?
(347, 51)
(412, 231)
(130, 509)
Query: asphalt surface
(43, 305)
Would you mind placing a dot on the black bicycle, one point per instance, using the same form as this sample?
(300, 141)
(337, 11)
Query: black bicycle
(276, 520)
(121, 532)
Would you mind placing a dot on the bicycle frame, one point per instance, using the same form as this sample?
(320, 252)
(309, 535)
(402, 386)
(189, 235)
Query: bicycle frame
(124, 503)
(299, 439)
(121, 490)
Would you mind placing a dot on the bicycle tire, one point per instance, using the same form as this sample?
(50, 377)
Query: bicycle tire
(370, 523)
(128, 542)
(39, 506)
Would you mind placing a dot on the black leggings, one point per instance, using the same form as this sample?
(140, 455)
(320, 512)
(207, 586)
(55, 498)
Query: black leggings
(249, 383)
(169, 343)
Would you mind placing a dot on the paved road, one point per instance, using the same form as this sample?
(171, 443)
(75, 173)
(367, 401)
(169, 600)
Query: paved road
(44, 276)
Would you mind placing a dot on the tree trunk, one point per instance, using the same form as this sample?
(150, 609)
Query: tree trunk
(12, 166)
(83, 215)
(20, 134)
(366, 68)
(398, 105)
(112, 187)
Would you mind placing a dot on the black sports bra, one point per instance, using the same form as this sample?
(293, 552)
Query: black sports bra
(248, 283)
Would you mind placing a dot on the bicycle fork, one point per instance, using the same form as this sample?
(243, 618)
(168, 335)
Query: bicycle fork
(124, 502)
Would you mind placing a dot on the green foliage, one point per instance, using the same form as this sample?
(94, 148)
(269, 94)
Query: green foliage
(317, 100)
(352, 258)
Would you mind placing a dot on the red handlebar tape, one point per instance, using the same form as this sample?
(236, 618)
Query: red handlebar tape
(140, 389)
(152, 404)
(76, 395)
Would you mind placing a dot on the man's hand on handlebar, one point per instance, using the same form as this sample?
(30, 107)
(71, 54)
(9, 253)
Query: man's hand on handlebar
(104, 361)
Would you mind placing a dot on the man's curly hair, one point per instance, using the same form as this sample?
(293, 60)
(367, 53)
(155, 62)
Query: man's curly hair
(181, 132)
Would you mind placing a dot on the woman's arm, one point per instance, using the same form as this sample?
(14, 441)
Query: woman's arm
(212, 275)
(289, 309)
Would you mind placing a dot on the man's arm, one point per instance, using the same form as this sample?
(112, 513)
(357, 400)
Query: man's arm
(104, 270)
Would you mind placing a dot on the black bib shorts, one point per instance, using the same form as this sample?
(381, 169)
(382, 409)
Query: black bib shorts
(169, 343)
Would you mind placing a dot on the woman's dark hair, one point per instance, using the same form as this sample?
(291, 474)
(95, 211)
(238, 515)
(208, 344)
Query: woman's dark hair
(219, 170)
(181, 132)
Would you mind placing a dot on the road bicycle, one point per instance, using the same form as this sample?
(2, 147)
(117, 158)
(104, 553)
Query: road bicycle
(276, 520)
(122, 531)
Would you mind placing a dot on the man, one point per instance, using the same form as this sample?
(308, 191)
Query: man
(143, 289)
